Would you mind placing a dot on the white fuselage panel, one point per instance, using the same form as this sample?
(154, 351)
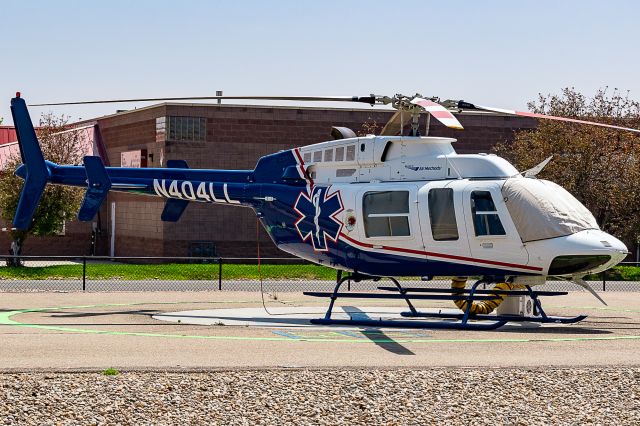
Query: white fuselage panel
(392, 159)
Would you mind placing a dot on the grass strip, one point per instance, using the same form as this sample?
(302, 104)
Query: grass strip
(172, 271)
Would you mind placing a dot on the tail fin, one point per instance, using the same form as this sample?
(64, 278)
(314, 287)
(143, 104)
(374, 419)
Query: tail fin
(36, 172)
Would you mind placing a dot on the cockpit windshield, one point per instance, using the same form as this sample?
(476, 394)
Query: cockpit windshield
(541, 209)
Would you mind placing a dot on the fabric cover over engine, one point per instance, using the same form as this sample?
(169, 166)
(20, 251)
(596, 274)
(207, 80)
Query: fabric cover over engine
(541, 209)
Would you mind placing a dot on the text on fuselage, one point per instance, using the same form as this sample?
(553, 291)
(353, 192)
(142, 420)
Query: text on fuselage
(193, 191)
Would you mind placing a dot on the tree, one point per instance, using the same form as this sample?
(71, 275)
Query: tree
(600, 167)
(58, 202)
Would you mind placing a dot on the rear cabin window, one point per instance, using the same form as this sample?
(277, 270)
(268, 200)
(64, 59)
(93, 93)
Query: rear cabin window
(386, 214)
(442, 215)
(485, 217)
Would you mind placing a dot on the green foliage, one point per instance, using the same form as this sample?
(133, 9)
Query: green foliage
(599, 166)
(618, 273)
(110, 372)
(58, 202)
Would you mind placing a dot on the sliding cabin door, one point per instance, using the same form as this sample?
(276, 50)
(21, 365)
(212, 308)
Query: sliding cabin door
(443, 225)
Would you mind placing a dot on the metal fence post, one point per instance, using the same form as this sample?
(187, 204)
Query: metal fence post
(84, 273)
(220, 273)
(604, 280)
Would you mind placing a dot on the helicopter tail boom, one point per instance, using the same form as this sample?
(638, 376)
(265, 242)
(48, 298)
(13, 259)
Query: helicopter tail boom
(176, 182)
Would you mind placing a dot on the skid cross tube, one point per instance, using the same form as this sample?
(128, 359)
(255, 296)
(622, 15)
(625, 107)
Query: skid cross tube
(463, 324)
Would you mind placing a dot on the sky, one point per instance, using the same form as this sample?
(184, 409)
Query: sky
(490, 52)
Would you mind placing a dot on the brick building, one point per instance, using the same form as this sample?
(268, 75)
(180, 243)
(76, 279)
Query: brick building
(223, 137)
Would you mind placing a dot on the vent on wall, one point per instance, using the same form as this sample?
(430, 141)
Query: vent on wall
(202, 249)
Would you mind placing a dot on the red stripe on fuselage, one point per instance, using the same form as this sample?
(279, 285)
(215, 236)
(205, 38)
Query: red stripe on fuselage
(442, 255)
(305, 175)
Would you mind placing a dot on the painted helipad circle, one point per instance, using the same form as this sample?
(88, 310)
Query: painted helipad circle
(280, 316)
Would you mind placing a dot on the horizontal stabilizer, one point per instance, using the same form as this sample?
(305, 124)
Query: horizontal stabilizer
(97, 189)
(173, 209)
(34, 169)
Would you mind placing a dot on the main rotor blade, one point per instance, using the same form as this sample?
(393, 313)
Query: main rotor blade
(362, 99)
(466, 105)
(438, 112)
(396, 123)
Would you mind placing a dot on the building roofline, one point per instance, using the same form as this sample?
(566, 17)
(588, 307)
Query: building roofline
(282, 107)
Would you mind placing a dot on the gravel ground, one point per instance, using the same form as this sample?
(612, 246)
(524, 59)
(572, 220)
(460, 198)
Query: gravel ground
(402, 396)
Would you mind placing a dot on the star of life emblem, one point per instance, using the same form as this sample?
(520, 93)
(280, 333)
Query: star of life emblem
(318, 221)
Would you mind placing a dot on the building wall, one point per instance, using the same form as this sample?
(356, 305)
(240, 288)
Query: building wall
(7, 134)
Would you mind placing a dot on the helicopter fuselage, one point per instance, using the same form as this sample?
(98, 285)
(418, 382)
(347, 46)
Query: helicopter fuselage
(392, 206)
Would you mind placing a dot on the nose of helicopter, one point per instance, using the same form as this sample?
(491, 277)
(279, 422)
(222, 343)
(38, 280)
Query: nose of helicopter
(591, 251)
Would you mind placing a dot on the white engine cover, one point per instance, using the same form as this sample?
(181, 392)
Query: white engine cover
(387, 159)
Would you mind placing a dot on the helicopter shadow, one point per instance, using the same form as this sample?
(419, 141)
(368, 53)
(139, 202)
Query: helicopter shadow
(377, 335)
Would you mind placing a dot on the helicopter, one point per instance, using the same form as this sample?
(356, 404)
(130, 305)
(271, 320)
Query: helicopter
(378, 206)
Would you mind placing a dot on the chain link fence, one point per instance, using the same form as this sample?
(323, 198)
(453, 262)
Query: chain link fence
(83, 273)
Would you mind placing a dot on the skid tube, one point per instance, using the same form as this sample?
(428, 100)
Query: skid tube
(463, 321)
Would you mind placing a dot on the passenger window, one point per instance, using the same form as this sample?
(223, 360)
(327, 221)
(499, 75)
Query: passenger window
(485, 217)
(386, 214)
(442, 215)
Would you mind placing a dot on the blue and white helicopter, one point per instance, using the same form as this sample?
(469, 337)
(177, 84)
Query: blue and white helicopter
(379, 207)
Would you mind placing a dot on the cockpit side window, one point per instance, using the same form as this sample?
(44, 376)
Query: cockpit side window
(485, 216)
(386, 214)
(442, 215)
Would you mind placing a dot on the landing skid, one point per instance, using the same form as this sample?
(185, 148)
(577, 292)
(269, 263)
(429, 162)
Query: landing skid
(461, 321)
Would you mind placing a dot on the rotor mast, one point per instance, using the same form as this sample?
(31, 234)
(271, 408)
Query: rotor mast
(404, 105)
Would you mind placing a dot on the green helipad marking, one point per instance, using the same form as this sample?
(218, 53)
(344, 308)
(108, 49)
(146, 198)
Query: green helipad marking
(6, 319)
